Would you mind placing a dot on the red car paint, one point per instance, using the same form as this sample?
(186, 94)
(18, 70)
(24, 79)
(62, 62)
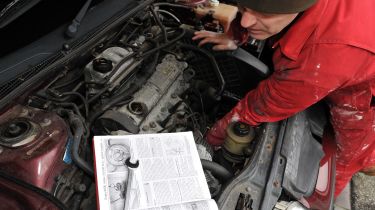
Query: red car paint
(14, 196)
(40, 160)
(324, 191)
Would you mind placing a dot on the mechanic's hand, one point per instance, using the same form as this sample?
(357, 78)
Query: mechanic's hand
(217, 134)
(221, 41)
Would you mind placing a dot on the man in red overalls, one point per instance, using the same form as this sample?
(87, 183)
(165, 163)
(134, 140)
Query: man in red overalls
(326, 51)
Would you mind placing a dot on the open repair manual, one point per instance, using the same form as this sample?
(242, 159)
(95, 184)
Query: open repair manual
(169, 175)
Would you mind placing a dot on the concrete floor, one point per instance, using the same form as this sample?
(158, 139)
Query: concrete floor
(358, 195)
(363, 192)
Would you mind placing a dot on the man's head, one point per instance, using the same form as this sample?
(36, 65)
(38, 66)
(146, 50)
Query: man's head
(265, 18)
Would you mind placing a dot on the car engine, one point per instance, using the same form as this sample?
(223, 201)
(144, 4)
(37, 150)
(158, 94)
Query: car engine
(146, 76)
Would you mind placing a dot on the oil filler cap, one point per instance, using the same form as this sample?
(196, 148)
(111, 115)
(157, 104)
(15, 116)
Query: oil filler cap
(102, 65)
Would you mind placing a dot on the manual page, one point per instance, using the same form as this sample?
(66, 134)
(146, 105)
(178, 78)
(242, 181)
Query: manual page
(169, 175)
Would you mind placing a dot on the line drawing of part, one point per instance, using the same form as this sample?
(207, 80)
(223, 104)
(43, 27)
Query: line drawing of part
(116, 154)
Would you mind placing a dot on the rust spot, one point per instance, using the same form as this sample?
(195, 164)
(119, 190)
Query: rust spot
(269, 147)
(276, 184)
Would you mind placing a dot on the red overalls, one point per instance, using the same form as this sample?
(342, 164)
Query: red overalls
(328, 53)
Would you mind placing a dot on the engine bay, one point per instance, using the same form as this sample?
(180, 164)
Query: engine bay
(146, 76)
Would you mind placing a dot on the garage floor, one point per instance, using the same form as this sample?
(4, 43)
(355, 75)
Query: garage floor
(363, 192)
(359, 195)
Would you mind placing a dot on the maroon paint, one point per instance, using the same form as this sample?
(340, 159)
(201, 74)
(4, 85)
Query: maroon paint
(40, 161)
(13, 196)
(321, 199)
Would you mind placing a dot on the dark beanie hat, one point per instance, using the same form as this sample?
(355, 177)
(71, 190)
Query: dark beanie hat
(277, 6)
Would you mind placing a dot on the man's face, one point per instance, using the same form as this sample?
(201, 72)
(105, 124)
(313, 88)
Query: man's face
(262, 26)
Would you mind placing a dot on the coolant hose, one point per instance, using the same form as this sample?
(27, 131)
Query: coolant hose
(77, 136)
(217, 170)
(78, 130)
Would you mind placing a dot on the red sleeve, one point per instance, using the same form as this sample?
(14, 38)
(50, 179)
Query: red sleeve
(292, 88)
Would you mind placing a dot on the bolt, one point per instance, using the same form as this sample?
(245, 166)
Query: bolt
(145, 128)
(174, 95)
(31, 114)
(248, 189)
(152, 124)
(80, 187)
(276, 183)
(46, 122)
(24, 112)
(66, 47)
(100, 45)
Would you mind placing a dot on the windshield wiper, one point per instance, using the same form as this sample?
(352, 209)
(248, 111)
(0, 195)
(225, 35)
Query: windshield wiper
(72, 29)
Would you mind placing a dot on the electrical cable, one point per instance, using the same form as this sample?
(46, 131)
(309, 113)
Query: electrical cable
(68, 104)
(232, 96)
(68, 82)
(131, 34)
(170, 14)
(82, 98)
(165, 36)
(180, 36)
(97, 95)
(122, 30)
(171, 5)
(149, 69)
(59, 76)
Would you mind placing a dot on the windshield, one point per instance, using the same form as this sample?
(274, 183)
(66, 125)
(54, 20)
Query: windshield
(39, 20)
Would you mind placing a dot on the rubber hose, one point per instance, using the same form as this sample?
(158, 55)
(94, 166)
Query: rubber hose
(217, 170)
(78, 130)
(77, 136)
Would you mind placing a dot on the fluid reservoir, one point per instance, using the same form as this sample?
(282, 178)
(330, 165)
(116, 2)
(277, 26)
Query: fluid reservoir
(239, 137)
